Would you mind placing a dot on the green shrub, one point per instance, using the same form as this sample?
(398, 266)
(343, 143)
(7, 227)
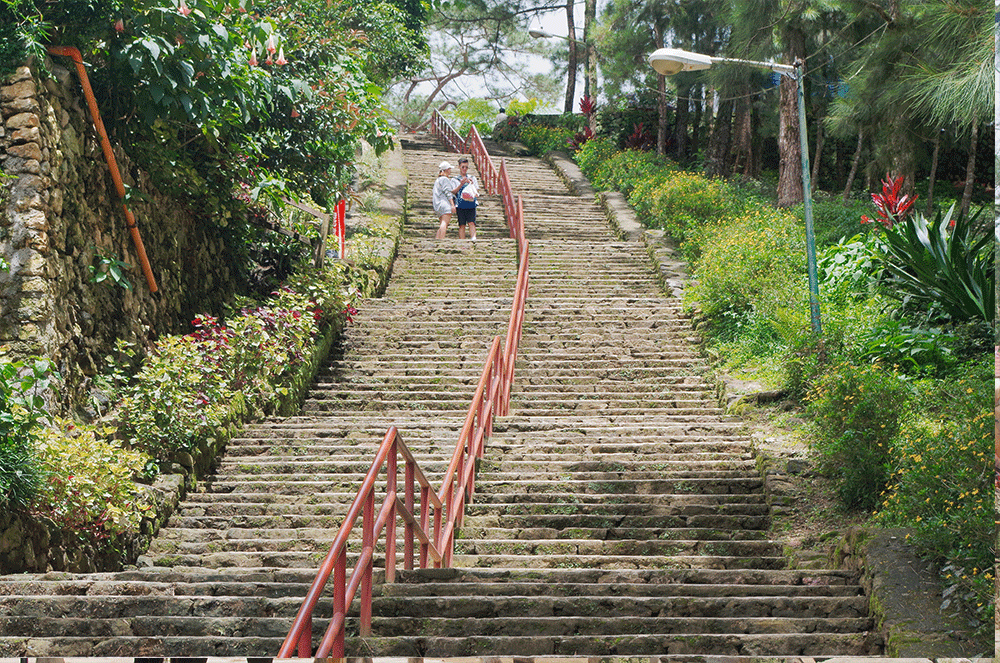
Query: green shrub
(856, 411)
(942, 485)
(541, 139)
(590, 157)
(625, 171)
(22, 409)
(192, 384)
(754, 261)
(914, 350)
(848, 270)
(91, 487)
(680, 203)
(833, 219)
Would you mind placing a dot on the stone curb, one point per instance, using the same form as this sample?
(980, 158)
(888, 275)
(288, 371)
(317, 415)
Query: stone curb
(904, 591)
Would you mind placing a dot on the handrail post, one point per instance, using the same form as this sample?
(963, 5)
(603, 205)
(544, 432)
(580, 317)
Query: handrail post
(339, 599)
(390, 530)
(367, 543)
(408, 526)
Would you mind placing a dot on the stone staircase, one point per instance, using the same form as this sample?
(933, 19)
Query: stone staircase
(618, 511)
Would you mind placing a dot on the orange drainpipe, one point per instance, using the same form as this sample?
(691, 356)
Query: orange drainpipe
(109, 156)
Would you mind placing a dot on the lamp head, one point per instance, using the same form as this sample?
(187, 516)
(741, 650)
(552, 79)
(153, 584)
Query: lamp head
(670, 61)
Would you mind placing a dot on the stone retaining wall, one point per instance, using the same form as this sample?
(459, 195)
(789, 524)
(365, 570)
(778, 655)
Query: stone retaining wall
(60, 214)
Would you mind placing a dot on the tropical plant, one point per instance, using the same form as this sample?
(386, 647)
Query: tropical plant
(942, 264)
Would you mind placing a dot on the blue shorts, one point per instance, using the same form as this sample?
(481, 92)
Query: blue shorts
(466, 215)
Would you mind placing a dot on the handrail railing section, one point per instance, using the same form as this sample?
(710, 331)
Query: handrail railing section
(438, 515)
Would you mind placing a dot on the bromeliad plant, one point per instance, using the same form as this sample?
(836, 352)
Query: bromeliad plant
(941, 263)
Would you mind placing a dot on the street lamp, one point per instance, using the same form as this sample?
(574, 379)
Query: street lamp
(669, 61)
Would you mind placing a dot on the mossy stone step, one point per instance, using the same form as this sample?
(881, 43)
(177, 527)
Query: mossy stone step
(679, 647)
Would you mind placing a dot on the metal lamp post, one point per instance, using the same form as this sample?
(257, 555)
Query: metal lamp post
(669, 61)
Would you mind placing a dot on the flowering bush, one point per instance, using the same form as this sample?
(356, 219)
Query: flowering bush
(193, 384)
(751, 262)
(856, 413)
(941, 485)
(681, 203)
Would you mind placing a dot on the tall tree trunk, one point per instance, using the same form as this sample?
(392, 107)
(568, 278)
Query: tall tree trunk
(589, 17)
(573, 64)
(817, 156)
(933, 175)
(743, 152)
(854, 165)
(901, 151)
(970, 170)
(662, 125)
(681, 123)
(789, 144)
(719, 139)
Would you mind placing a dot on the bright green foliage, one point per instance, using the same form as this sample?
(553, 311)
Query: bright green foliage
(848, 269)
(214, 92)
(470, 113)
(22, 409)
(942, 485)
(857, 410)
(90, 486)
(943, 264)
(751, 262)
(592, 154)
(541, 139)
(682, 203)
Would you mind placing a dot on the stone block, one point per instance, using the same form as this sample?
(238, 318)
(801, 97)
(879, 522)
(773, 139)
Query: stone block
(26, 151)
(23, 121)
(22, 89)
(26, 135)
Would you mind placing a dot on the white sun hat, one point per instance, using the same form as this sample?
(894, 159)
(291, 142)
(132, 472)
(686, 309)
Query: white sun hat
(444, 165)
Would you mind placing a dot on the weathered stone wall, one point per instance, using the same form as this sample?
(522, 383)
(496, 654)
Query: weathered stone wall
(60, 213)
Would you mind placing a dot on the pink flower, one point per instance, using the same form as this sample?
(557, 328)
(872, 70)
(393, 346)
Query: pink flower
(183, 9)
(281, 56)
(253, 57)
(270, 45)
(119, 26)
(269, 61)
(294, 113)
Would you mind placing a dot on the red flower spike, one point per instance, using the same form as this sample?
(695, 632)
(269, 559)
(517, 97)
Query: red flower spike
(891, 207)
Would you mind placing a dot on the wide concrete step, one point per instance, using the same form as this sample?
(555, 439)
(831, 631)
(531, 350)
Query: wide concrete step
(680, 646)
(623, 624)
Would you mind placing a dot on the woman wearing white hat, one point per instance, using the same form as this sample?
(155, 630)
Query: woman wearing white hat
(443, 197)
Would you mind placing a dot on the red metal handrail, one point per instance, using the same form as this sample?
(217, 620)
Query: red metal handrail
(444, 131)
(299, 639)
(491, 398)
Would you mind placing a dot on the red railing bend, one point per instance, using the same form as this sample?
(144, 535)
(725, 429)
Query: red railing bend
(299, 639)
(437, 541)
